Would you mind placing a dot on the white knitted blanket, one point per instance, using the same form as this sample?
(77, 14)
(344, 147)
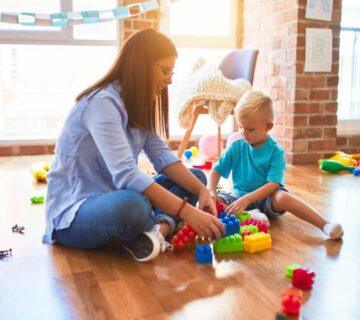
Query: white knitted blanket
(206, 83)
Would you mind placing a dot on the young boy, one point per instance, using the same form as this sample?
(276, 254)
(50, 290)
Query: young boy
(257, 163)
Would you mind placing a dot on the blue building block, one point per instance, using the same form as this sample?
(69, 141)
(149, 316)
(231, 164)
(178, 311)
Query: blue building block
(203, 254)
(231, 224)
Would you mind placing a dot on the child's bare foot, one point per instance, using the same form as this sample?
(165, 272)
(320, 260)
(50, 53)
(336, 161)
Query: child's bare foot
(333, 230)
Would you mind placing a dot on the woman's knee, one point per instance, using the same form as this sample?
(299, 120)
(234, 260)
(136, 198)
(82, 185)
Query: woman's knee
(138, 210)
(199, 174)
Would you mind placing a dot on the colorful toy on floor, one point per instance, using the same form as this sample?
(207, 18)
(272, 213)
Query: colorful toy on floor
(261, 225)
(203, 254)
(5, 253)
(195, 151)
(356, 171)
(206, 166)
(289, 270)
(257, 242)
(181, 239)
(18, 229)
(291, 300)
(231, 224)
(39, 170)
(303, 278)
(228, 244)
(39, 199)
(188, 153)
(343, 158)
(334, 166)
(243, 216)
(208, 145)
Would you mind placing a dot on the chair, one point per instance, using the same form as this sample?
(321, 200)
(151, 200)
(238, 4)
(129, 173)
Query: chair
(239, 63)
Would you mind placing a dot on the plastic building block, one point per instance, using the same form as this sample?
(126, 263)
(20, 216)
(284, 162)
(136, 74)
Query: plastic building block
(39, 199)
(183, 237)
(5, 253)
(257, 242)
(203, 254)
(219, 207)
(243, 216)
(250, 227)
(231, 243)
(261, 225)
(280, 316)
(290, 269)
(18, 229)
(291, 300)
(303, 278)
(231, 224)
(246, 233)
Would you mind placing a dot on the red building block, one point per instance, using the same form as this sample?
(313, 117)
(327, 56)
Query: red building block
(183, 237)
(261, 225)
(303, 278)
(291, 300)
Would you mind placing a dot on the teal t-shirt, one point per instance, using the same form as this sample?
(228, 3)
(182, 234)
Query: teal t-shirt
(252, 167)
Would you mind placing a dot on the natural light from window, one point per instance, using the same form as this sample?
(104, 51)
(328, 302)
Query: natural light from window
(349, 68)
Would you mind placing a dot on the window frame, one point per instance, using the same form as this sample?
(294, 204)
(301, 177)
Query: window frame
(63, 36)
(210, 42)
(58, 36)
(347, 126)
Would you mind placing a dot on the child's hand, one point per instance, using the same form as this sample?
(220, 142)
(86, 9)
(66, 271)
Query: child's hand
(238, 206)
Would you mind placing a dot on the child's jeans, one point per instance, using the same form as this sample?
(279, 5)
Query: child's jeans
(120, 213)
(263, 205)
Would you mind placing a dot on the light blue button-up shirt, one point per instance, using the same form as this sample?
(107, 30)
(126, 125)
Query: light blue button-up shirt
(97, 152)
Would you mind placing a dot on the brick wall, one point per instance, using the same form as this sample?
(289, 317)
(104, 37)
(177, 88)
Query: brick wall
(143, 21)
(31, 149)
(305, 102)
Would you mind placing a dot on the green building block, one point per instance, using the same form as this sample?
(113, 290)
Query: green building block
(40, 199)
(251, 227)
(243, 216)
(289, 270)
(228, 244)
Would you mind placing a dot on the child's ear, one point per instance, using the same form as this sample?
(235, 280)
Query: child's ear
(269, 126)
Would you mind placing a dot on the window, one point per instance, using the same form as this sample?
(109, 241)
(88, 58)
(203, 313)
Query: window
(211, 35)
(349, 71)
(42, 69)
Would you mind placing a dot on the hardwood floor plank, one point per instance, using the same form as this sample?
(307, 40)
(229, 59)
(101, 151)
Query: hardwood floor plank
(54, 282)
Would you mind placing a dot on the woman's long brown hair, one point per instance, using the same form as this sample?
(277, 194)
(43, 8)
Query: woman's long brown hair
(133, 68)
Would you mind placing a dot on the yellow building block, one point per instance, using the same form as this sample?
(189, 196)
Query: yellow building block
(257, 242)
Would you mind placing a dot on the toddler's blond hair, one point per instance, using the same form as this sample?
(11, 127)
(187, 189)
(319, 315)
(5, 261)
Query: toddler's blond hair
(255, 103)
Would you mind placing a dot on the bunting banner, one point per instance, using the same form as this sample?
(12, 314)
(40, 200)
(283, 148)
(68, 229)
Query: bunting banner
(68, 19)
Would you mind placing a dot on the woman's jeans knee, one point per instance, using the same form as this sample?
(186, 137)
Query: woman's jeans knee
(120, 213)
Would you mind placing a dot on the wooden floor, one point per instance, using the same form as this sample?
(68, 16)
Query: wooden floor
(54, 282)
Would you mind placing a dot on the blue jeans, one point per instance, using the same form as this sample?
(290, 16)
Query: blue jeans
(120, 213)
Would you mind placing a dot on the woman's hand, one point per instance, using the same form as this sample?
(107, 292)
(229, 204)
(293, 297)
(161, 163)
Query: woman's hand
(238, 206)
(206, 202)
(205, 224)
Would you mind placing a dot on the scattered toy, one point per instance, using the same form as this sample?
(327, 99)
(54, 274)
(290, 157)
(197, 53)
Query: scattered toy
(18, 229)
(5, 253)
(39, 199)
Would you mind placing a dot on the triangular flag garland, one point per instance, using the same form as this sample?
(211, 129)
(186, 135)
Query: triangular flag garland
(67, 19)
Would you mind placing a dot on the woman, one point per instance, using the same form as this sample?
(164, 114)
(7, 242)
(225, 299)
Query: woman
(95, 189)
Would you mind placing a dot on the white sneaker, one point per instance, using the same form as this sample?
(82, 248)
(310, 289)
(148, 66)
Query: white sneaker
(147, 245)
(258, 215)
